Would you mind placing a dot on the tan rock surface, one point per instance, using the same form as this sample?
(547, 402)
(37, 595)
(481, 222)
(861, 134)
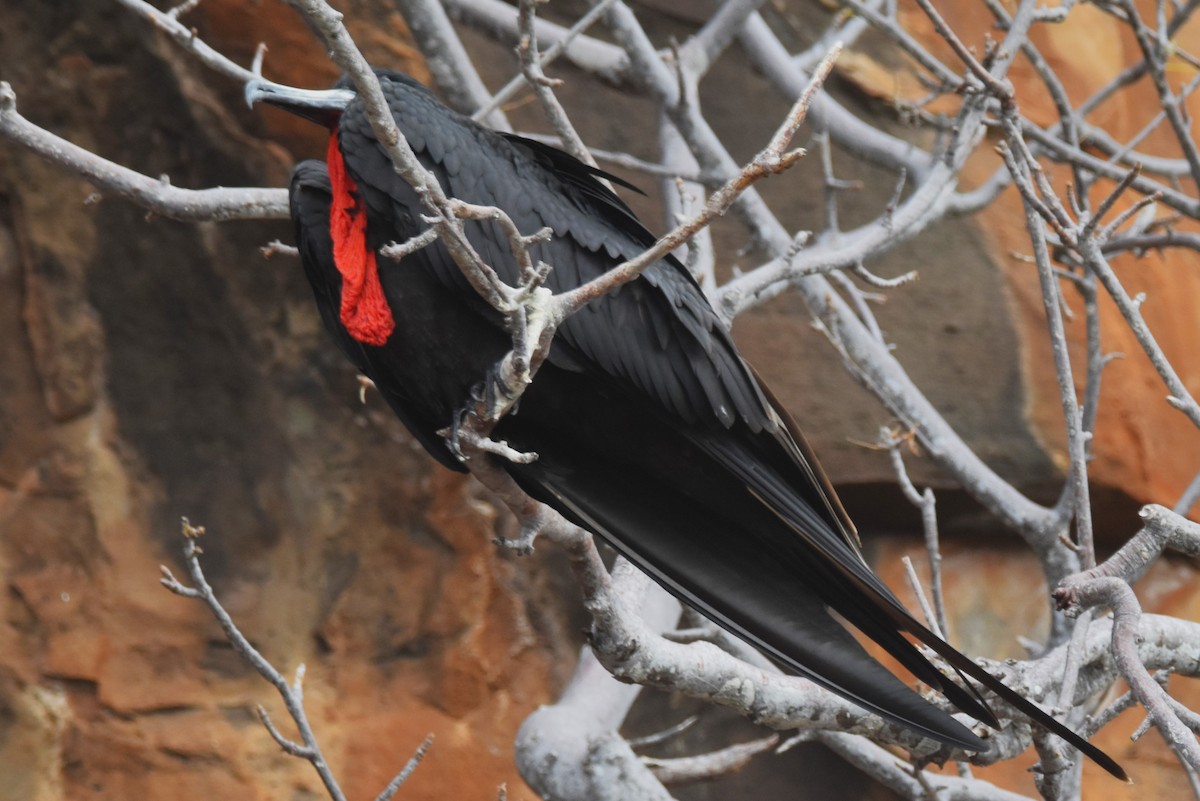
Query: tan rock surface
(152, 370)
(1143, 447)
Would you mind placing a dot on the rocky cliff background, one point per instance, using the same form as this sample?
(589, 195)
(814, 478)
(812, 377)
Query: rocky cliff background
(151, 369)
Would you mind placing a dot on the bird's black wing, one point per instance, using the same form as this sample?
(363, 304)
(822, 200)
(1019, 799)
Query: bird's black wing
(767, 572)
(659, 335)
(658, 338)
(566, 164)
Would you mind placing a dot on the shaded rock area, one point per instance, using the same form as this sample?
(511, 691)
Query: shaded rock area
(151, 369)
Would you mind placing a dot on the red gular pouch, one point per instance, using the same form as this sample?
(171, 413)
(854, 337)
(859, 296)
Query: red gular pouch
(364, 311)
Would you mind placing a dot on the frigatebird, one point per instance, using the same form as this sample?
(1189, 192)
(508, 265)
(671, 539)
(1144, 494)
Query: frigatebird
(649, 427)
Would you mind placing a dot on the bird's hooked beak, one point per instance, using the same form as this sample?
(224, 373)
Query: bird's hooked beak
(322, 106)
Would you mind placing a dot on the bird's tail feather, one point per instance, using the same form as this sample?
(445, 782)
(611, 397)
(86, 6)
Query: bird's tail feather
(761, 600)
(870, 602)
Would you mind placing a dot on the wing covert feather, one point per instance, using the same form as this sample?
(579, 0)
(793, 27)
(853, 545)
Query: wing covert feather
(670, 344)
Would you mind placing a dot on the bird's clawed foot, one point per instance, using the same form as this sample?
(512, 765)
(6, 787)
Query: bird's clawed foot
(464, 434)
(531, 526)
(461, 438)
(504, 450)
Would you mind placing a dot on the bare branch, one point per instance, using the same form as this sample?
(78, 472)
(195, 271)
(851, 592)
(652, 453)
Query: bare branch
(158, 196)
(276, 248)
(1180, 397)
(1116, 594)
(927, 504)
(400, 778)
(1153, 50)
(559, 47)
(1081, 499)
(770, 161)
(449, 62)
(185, 36)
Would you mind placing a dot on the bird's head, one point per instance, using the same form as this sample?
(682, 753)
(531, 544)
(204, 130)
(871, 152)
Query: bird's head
(322, 106)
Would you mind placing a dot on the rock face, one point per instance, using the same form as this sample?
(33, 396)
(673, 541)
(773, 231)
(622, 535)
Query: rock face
(151, 369)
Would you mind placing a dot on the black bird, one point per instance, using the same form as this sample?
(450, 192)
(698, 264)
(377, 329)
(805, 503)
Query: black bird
(650, 428)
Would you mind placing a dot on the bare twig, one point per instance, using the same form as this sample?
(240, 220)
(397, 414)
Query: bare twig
(706, 767)
(1154, 50)
(291, 694)
(668, 733)
(770, 161)
(1189, 497)
(927, 504)
(1108, 585)
(543, 87)
(547, 58)
(185, 36)
(400, 778)
(277, 248)
(1076, 441)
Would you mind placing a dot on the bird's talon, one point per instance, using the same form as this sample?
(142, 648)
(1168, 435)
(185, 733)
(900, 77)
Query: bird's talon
(522, 546)
(453, 436)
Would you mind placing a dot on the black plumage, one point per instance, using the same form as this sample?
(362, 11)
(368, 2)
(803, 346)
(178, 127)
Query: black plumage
(650, 429)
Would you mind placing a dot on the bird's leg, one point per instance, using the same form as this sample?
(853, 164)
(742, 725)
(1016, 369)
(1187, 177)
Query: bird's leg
(496, 393)
(466, 427)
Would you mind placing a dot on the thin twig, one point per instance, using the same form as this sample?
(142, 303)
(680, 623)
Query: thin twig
(1072, 416)
(927, 504)
(310, 750)
(770, 161)
(713, 765)
(510, 89)
(543, 87)
(400, 778)
(291, 694)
